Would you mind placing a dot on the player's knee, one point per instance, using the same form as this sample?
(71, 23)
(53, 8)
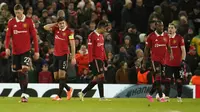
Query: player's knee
(178, 81)
(25, 69)
(56, 75)
(62, 74)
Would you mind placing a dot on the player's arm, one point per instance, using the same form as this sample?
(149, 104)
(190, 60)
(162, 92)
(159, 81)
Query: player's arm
(73, 48)
(7, 40)
(183, 51)
(49, 27)
(146, 53)
(35, 40)
(147, 48)
(90, 51)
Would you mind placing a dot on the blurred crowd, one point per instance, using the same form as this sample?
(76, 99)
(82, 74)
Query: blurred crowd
(130, 22)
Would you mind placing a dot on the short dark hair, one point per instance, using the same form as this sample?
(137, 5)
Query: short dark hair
(18, 7)
(159, 22)
(61, 19)
(102, 23)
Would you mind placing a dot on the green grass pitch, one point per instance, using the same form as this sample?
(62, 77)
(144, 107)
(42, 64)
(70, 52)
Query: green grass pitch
(94, 105)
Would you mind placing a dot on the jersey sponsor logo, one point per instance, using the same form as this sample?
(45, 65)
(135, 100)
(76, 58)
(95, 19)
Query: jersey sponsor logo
(100, 44)
(174, 46)
(18, 32)
(15, 25)
(57, 37)
(160, 45)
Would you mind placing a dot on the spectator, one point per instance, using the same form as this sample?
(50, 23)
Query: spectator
(82, 59)
(140, 18)
(195, 80)
(122, 74)
(29, 11)
(143, 39)
(126, 13)
(45, 76)
(111, 70)
(5, 15)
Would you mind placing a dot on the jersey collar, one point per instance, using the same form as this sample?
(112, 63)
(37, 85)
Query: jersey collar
(173, 36)
(159, 34)
(96, 32)
(63, 29)
(23, 19)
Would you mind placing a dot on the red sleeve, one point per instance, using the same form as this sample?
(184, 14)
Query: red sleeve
(148, 42)
(34, 35)
(8, 34)
(90, 47)
(182, 42)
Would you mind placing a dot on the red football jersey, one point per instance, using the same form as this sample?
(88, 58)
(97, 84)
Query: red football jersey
(61, 42)
(175, 42)
(96, 46)
(158, 45)
(21, 32)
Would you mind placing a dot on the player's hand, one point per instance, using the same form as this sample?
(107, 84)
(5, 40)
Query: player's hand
(36, 56)
(171, 57)
(7, 52)
(73, 61)
(182, 63)
(105, 68)
(90, 66)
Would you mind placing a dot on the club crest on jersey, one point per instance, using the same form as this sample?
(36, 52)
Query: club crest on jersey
(25, 25)
(164, 39)
(174, 41)
(64, 34)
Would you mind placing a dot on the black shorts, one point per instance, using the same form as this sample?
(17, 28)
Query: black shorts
(97, 67)
(21, 59)
(60, 62)
(170, 71)
(157, 67)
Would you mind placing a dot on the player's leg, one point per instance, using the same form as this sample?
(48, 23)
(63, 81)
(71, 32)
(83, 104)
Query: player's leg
(169, 71)
(63, 63)
(157, 83)
(56, 74)
(92, 83)
(23, 74)
(179, 84)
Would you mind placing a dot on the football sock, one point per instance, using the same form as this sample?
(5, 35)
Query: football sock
(167, 86)
(61, 86)
(89, 86)
(23, 81)
(179, 88)
(101, 88)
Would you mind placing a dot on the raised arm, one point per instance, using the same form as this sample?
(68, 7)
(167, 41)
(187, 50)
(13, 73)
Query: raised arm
(49, 27)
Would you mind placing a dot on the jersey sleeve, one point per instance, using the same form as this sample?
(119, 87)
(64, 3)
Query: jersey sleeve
(148, 43)
(90, 48)
(71, 35)
(8, 34)
(34, 35)
(182, 42)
